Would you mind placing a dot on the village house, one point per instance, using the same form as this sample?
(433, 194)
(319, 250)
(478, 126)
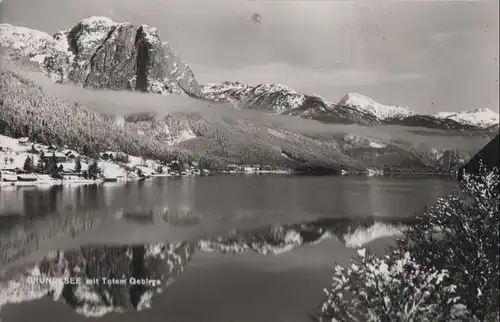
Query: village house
(67, 167)
(267, 167)
(27, 177)
(60, 157)
(23, 141)
(232, 167)
(248, 169)
(37, 148)
(71, 154)
(8, 176)
(70, 176)
(108, 155)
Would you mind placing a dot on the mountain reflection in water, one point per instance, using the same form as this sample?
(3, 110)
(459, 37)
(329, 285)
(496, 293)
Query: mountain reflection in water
(92, 297)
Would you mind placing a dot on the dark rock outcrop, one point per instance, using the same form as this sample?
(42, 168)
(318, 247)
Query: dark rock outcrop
(488, 158)
(101, 53)
(125, 56)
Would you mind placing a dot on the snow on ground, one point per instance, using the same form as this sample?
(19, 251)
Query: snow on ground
(134, 161)
(280, 96)
(11, 144)
(15, 160)
(111, 170)
(24, 38)
(184, 135)
(146, 170)
(97, 20)
(146, 165)
(13, 154)
(363, 141)
(67, 166)
(377, 145)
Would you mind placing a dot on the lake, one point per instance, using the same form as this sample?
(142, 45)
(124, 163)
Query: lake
(225, 248)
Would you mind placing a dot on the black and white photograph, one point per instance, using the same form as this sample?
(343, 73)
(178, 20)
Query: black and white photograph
(249, 161)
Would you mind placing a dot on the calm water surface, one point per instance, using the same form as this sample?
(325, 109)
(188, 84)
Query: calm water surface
(230, 248)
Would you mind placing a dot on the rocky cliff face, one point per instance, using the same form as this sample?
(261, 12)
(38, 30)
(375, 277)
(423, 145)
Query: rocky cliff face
(100, 53)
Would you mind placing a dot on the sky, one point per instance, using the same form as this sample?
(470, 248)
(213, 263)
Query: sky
(428, 55)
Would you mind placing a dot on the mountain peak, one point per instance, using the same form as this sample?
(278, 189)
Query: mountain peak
(481, 110)
(100, 53)
(367, 105)
(277, 98)
(481, 117)
(97, 21)
(354, 95)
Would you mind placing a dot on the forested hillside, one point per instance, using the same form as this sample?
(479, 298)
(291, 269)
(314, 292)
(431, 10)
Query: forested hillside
(28, 111)
(25, 110)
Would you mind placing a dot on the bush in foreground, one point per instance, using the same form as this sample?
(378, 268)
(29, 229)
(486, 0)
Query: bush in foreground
(444, 269)
(395, 288)
(460, 234)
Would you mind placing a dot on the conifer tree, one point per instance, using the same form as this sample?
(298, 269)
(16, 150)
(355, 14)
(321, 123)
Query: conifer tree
(78, 166)
(93, 171)
(40, 167)
(29, 165)
(52, 164)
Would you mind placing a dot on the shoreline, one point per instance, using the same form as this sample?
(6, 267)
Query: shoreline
(224, 173)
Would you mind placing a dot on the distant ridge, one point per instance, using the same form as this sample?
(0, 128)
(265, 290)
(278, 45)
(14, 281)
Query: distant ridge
(481, 117)
(352, 108)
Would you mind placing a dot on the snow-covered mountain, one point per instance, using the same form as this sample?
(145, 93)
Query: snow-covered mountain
(481, 117)
(352, 108)
(280, 99)
(101, 53)
(367, 105)
(273, 98)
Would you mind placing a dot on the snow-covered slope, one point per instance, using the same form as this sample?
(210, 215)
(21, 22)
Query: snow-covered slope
(51, 54)
(352, 108)
(101, 53)
(482, 117)
(275, 98)
(367, 105)
(31, 42)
